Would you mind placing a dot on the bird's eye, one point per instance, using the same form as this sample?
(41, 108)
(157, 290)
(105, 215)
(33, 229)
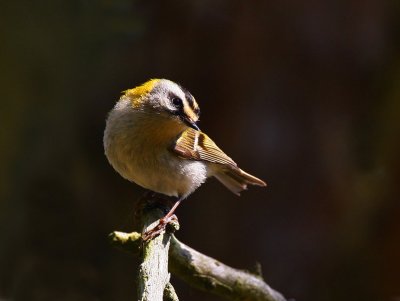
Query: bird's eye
(177, 102)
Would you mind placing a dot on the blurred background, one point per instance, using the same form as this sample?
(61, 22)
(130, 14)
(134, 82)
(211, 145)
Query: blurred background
(303, 94)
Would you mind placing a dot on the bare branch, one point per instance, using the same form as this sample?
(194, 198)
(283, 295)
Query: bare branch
(206, 273)
(153, 276)
(169, 293)
(153, 270)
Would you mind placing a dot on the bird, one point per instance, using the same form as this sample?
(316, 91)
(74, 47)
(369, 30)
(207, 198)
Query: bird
(152, 138)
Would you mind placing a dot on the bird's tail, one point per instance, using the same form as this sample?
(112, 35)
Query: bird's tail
(236, 180)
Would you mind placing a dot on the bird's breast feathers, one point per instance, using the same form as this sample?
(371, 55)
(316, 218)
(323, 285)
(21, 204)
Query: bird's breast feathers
(142, 154)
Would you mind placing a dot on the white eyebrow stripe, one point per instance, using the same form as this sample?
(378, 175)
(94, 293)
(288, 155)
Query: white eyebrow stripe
(174, 88)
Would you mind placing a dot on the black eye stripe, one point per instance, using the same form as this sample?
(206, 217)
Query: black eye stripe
(177, 102)
(189, 98)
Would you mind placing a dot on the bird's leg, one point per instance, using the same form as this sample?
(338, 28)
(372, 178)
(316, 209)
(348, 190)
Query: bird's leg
(162, 223)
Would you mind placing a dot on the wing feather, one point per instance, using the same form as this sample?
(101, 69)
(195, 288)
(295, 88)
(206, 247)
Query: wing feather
(196, 145)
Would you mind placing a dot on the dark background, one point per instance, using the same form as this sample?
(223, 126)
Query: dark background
(303, 94)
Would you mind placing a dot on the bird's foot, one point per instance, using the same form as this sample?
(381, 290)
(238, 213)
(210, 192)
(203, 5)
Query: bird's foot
(160, 227)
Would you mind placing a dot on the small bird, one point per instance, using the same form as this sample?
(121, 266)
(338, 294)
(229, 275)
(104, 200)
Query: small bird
(151, 138)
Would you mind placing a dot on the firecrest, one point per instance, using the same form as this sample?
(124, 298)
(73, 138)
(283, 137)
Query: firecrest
(151, 138)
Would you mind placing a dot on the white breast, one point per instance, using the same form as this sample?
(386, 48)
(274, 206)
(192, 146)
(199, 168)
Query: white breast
(137, 146)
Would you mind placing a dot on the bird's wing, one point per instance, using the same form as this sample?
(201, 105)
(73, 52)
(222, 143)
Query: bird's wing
(196, 145)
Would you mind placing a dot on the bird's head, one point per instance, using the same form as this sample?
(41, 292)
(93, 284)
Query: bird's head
(164, 97)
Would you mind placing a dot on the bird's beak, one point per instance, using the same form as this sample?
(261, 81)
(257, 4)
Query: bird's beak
(190, 123)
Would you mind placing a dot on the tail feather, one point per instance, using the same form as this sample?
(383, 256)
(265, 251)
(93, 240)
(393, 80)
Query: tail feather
(236, 180)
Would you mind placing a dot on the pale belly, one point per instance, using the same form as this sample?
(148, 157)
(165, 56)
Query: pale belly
(152, 166)
(167, 174)
(137, 146)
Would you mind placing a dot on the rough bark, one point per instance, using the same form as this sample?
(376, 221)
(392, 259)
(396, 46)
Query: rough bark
(206, 273)
(153, 276)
